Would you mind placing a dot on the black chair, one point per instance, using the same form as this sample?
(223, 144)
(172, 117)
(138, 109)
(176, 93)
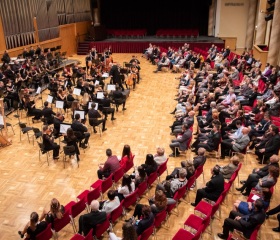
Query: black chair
(93, 124)
(69, 151)
(24, 129)
(7, 125)
(43, 151)
(37, 134)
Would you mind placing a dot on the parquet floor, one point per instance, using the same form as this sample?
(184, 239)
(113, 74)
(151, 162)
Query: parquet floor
(28, 185)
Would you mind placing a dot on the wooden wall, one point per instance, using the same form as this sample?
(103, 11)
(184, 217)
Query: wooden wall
(67, 39)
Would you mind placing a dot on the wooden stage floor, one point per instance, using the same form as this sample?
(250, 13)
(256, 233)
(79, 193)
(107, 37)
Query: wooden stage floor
(27, 185)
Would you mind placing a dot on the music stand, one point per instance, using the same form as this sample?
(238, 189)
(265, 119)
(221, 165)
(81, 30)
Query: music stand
(58, 47)
(63, 127)
(53, 49)
(81, 112)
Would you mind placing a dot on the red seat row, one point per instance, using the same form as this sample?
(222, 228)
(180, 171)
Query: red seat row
(177, 32)
(127, 32)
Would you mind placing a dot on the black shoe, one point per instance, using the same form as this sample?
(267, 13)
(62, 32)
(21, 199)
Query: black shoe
(124, 109)
(113, 119)
(104, 129)
(155, 71)
(222, 236)
(21, 235)
(242, 182)
(276, 229)
(193, 204)
(239, 189)
(245, 194)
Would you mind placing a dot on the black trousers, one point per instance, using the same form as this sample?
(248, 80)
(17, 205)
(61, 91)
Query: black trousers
(201, 193)
(109, 111)
(226, 146)
(102, 174)
(55, 147)
(230, 223)
(138, 211)
(251, 182)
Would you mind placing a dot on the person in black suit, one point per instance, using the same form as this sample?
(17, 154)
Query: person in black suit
(244, 223)
(115, 75)
(200, 159)
(48, 142)
(48, 113)
(93, 116)
(213, 189)
(106, 107)
(90, 220)
(57, 120)
(146, 221)
(271, 147)
(80, 130)
(6, 58)
(119, 98)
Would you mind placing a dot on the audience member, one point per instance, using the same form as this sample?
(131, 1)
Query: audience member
(110, 166)
(159, 157)
(229, 169)
(150, 165)
(111, 204)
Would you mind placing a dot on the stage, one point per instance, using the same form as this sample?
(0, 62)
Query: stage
(137, 45)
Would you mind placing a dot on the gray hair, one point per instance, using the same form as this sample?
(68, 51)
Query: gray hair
(94, 205)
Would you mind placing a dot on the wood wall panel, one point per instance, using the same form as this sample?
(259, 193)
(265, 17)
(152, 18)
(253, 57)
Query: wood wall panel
(67, 39)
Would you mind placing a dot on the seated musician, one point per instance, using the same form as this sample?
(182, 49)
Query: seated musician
(80, 130)
(48, 113)
(31, 109)
(119, 98)
(48, 142)
(57, 120)
(53, 87)
(94, 118)
(106, 107)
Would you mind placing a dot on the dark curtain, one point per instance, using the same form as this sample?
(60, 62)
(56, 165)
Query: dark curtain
(156, 14)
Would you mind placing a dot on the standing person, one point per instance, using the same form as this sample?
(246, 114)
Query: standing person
(110, 166)
(48, 142)
(115, 75)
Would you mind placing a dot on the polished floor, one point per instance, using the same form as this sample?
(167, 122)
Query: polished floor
(27, 184)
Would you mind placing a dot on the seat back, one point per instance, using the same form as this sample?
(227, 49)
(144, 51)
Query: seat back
(46, 234)
(93, 195)
(152, 178)
(216, 205)
(116, 213)
(69, 150)
(198, 171)
(147, 233)
(162, 168)
(129, 164)
(89, 235)
(170, 207)
(22, 125)
(118, 174)
(190, 182)
(159, 218)
(61, 223)
(181, 192)
(101, 228)
(130, 199)
(254, 234)
(107, 183)
(142, 187)
(78, 207)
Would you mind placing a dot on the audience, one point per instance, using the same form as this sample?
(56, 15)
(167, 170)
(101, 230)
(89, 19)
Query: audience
(110, 166)
(229, 169)
(150, 166)
(127, 156)
(111, 204)
(128, 233)
(159, 157)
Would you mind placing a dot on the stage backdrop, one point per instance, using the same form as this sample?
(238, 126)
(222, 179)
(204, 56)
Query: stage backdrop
(155, 14)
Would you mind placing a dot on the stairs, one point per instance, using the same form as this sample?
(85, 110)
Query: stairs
(83, 48)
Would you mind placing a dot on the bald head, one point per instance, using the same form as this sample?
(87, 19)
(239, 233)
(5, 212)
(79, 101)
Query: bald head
(245, 131)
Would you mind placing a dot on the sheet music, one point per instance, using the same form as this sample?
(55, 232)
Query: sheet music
(63, 128)
(1, 120)
(96, 82)
(50, 99)
(38, 90)
(77, 91)
(59, 104)
(100, 95)
(105, 75)
(255, 197)
(82, 114)
(111, 87)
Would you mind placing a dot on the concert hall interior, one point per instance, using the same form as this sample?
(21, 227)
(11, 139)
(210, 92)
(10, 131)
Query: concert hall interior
(139, 120)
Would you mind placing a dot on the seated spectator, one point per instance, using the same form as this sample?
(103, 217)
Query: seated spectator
(159, 157)
(181, 141)
(248, 207)
(90, 220)
(127, 156)
(111, 204)
(272, 212)
(126, 188)
(200, 159)
(271, 146)
(163, 62)
(146, 220)
(229, 169)
(254, 182)
(150, 165)
(110, 166)
(56, 211)
(128, 233)
(188, 120)
(33, 227)
(213, 189)
(188, 165)
(158, 203)
(210, 141)
(244, 223)
(237, 145)
(175, 183)
(140, 176)
(48, 142)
